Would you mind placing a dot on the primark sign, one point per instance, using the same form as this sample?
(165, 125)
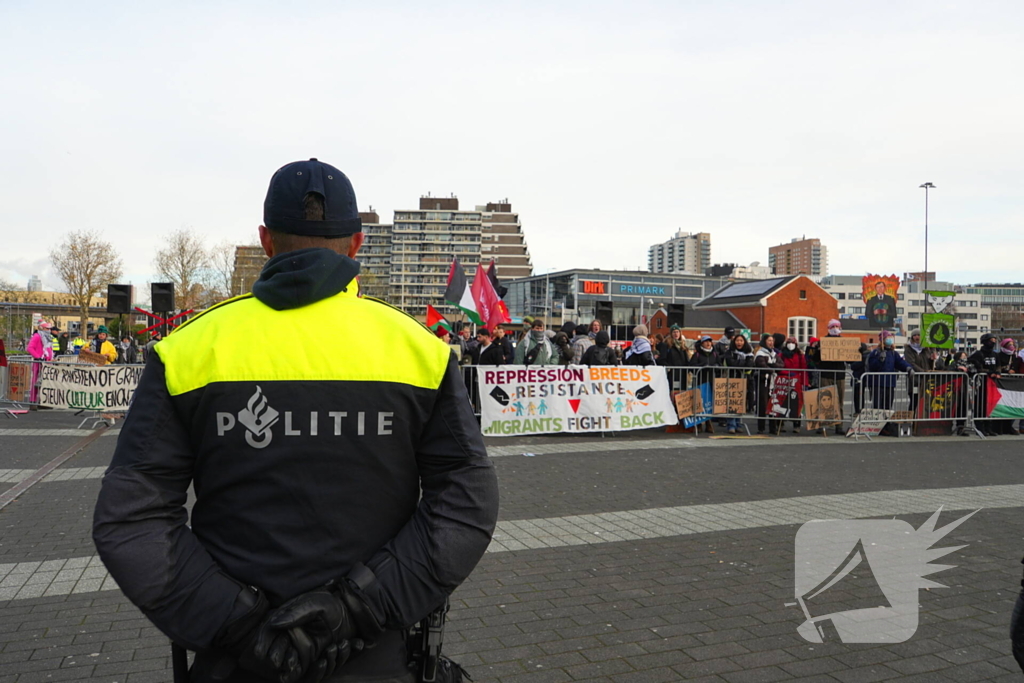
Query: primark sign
(642, 289)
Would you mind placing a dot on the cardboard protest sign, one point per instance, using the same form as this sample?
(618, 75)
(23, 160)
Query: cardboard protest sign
(684, 404)
(821, 407)
(840, 349)
(520, 399)
(784, 399)
(85, 387)
(19, 381)
(87, 356)
(702, 400)
(869, 422)
(880, 293)
(730, 395)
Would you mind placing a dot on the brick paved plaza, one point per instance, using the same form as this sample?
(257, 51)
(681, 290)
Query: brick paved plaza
(644, 557)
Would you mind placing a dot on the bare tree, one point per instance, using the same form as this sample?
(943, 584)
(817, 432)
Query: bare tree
(11, 324)
(222, 269)
(185, 262)
(86, 265)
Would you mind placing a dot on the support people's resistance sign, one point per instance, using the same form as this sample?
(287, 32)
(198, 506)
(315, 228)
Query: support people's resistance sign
(519, 399)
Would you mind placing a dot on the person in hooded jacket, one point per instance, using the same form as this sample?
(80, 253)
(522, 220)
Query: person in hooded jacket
(857, 369)
(985, 361)
(40, 347)
(640, 352)
(561, 342)
(766, 360)
(739, 358)
(795, 362)
(722, 345)
(600, 353)
(349, 524)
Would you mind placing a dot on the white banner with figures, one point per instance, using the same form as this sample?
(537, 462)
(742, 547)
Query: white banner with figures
(88, 387)
(575, 399)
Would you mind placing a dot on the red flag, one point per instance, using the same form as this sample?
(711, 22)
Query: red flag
(486, 299)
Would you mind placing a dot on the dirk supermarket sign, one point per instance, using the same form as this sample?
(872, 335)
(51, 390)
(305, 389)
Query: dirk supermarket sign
(519, 399)
(86, 387)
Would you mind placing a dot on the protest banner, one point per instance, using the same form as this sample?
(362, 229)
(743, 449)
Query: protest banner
(939, 301)
(869, 422)
(784, 399)
(575, 399)
(730, 395)
(840, 349)
(701, 399)
(87, 387)
(821, 407)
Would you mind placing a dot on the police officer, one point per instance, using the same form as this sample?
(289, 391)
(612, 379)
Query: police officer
(310, 540)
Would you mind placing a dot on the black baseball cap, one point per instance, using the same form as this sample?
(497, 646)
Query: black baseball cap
(284, 207)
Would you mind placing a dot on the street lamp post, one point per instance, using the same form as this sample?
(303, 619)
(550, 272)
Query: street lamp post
(926, 186)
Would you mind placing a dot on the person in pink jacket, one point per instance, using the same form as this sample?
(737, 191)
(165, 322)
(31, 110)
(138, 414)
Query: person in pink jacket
(40, 347)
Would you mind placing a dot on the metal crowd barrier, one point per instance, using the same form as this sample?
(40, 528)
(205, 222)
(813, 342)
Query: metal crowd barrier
(898, 403)
(997, 404)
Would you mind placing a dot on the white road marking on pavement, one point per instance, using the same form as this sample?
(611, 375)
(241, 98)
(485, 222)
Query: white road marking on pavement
(54, 432)
(44, 432)
(86, 574)
(59, 474)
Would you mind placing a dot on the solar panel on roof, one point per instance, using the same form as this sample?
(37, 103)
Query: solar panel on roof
(750, 288)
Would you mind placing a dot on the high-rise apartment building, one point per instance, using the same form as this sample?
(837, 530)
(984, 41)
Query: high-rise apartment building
(407, 262)
(801, 256)
(375, 256)
(502, 239)
(423, 244)
(249, 260)
(685, 253)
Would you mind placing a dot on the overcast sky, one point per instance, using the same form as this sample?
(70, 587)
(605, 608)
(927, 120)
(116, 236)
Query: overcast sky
(608, 126)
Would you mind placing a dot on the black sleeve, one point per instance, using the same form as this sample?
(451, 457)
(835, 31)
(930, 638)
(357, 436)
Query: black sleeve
(140, 523)
(452, 527)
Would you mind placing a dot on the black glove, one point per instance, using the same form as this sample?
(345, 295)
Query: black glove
(320, 629)
(298, 641)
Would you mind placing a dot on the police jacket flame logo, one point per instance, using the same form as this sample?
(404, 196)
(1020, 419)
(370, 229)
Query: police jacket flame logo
(258, 418)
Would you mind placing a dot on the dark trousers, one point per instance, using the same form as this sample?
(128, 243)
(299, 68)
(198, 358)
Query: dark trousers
(1017, 631)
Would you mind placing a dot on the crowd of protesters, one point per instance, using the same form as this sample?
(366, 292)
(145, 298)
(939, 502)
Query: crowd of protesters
(735, 356)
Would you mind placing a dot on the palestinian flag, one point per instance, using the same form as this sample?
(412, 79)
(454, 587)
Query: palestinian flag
(436, 321)
(1005, 397)
(458, 293)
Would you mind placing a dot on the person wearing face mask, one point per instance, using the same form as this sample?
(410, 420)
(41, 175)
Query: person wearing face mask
(796, 364)
(833, 371)
(766, 359)
(885, 359)
(535, 349)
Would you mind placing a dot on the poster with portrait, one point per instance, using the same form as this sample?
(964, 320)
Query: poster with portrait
(880, 293)
(821, 407)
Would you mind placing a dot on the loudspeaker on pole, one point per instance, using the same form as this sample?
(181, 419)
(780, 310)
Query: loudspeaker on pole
(119, 298)
(162, 295)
